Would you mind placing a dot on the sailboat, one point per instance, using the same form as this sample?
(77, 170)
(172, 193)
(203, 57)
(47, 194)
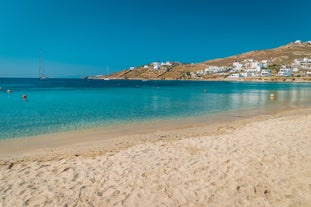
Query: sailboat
(42, 76)
(107, 75)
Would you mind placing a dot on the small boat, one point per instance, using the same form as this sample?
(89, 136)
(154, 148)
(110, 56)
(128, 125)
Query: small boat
(107, 73)
(42, 76)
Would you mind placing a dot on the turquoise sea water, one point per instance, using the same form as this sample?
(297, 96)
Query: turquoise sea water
(55, 105)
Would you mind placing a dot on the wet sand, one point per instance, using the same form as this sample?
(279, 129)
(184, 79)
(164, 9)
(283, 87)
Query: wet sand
(239, 161)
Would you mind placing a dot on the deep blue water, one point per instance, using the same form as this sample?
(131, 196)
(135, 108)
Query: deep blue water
(55, 105)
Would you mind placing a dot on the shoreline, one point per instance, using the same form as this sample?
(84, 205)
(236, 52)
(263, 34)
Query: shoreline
(253, 161)
(101, 140)
(272, 79)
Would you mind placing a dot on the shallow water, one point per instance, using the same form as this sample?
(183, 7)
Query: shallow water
(56, 105)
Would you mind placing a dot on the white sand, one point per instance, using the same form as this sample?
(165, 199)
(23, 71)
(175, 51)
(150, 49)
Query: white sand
(262, 163)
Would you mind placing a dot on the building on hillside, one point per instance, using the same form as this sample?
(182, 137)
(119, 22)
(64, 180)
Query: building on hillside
(234, 75)
(193, 74)
(265, 63)
(237, 66)
(215, 69)
(156, 65)
(307, 60)
(285, 72)
(266, 73)
(247, 74)
(167, 63)
(295, 70)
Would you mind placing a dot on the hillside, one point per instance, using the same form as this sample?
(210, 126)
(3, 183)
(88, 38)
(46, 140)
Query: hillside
(283, 55)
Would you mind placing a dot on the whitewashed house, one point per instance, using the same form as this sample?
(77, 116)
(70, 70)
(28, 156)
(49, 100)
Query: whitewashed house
(307, 60)
(156, 65)
(132, 68)
(297, 61)
(265, 63)
(167, 63)
(237, 66)
(295, 70)
(234, 75)
(285, 72)
(215, 69)
(193, 74)
(246, 74)
(200, 72)
(248, 60)
(266, 73)
(257, 66)
(251, 70)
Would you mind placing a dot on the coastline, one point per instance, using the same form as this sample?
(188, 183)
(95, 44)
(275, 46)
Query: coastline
(272, 79)
(258, 161)
(117, 137)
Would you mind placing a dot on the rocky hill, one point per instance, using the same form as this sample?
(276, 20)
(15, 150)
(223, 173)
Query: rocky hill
(283, 55)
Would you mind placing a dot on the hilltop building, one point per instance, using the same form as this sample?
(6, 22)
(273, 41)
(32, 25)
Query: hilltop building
(156, 65)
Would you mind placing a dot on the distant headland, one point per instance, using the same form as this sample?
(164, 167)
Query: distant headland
(291, 62)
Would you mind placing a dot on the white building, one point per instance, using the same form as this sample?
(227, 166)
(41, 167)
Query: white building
(285, 72)
(200, 72)
(234, 75)
(295, 70)
(307, 60)
(266, 73)
(251, 70)
(265, 63)
(247, 74)
(302, 61)
(193, 74)
(132, 68)
(298, 41)
(237, 66)
(215, 69)
(156, 65)
(166, 64)
(248, 60)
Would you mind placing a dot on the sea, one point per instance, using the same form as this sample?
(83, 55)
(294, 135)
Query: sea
(60, 105)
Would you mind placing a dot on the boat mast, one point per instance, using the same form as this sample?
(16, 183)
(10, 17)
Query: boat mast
(41, 66)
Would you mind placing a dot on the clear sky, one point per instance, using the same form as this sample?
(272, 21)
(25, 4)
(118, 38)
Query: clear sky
(84, 37)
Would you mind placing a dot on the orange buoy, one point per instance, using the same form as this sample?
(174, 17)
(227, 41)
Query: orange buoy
(24, 96)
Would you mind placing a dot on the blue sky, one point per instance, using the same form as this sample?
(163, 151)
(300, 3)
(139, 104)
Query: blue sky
(84, 37)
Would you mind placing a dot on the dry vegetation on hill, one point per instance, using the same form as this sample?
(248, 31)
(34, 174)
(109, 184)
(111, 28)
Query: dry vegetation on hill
(283, 55)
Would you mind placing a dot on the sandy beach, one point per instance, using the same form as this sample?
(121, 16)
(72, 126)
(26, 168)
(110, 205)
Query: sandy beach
(258, 161)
